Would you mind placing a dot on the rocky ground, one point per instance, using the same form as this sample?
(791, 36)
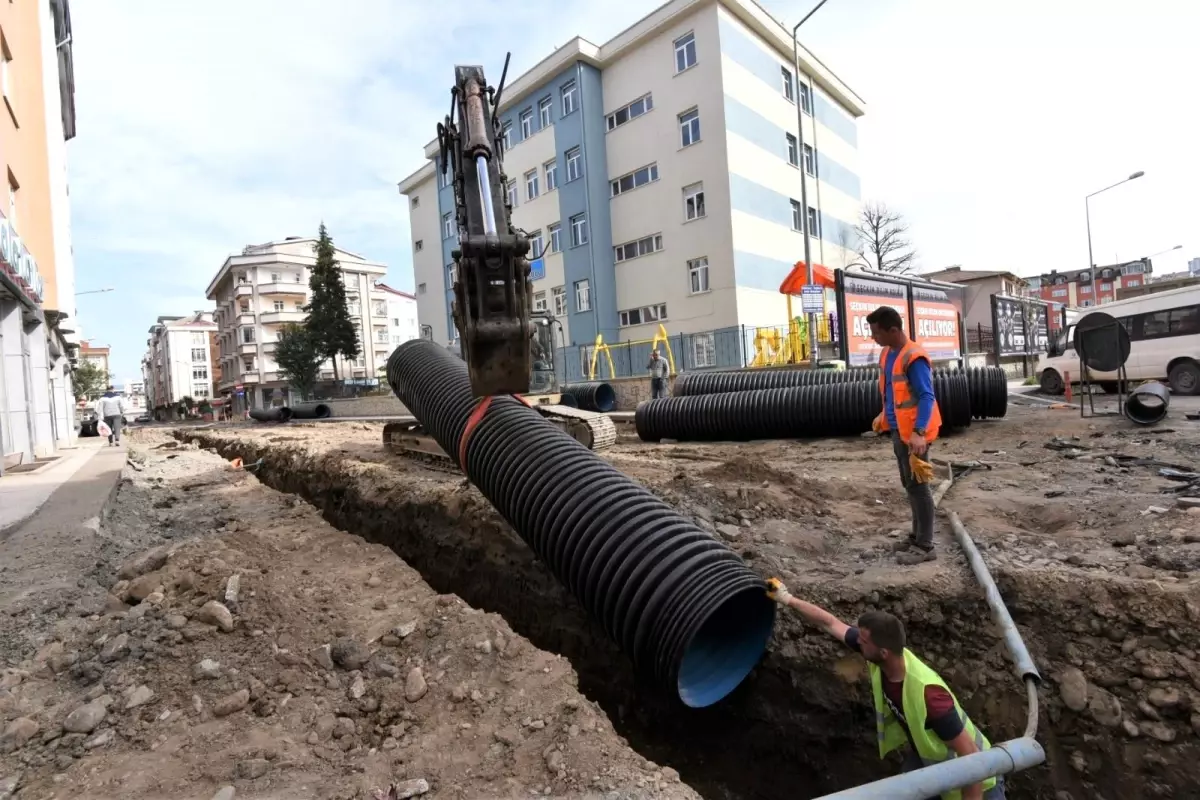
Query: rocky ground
(1096, 557)
(222, 639)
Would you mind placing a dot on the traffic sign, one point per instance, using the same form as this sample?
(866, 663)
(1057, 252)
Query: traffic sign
(812, 299)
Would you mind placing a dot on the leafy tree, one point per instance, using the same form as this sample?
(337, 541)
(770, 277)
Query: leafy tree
(299, 357)
(329, 323)
(883, 239)
(90, 380)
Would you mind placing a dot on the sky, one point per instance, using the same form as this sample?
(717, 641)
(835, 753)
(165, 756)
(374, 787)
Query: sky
(986, 126)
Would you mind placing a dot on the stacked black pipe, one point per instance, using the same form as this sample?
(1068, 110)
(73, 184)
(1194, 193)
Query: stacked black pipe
(839, 409)
(592, 396)
(989, 392)
(742, 380)
(682, 605)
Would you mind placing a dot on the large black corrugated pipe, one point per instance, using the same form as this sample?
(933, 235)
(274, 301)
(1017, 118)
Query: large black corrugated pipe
(276, 414)
(989, 392)
(745, 380)
(682, 605)
(841, 409)
(311, 411)
(592, 396)
(1147, 404)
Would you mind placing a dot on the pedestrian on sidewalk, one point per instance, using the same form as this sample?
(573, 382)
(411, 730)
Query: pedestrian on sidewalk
(111, 409)
(660, 370)
(910, 413)
(914, 708)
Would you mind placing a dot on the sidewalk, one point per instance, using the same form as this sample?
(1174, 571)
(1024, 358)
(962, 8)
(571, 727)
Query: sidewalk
(23, 493)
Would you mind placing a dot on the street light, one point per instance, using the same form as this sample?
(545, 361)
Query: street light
(1169, 249)
(1088, 212)
(812, 327)
(94, 291)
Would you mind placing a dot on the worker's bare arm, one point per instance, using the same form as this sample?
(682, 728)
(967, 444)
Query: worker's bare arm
(811, 613)
(964, 745)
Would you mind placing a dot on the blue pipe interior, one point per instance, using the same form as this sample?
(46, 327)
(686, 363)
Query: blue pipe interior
(606, 397)
(726, 647)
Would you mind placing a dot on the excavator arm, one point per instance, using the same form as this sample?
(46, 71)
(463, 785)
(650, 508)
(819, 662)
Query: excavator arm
(493, 296)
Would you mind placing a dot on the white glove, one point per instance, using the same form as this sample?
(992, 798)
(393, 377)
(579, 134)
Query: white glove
(778, 592)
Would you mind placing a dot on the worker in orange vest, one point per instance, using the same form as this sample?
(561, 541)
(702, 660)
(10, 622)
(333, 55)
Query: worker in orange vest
(910, 413)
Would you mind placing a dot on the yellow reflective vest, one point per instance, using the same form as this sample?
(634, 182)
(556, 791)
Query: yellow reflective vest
(890, 730)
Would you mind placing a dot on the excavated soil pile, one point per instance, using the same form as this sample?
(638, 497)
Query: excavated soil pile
(1097, 563)
(258, 649)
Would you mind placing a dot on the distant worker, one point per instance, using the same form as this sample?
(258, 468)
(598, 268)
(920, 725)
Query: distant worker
(910, 412)
(913, 705)
(111, 409)
(660, 370)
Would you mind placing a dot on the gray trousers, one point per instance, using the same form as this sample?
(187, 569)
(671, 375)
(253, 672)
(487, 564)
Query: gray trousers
(658, 388)
(920, 495)
(114, 424)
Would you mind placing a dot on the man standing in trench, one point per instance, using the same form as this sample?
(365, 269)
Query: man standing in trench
(910, 413)
(660, 370)
(913, 705)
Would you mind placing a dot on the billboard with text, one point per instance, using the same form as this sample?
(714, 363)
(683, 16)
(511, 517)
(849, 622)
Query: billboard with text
(860, 296)
(935, 325)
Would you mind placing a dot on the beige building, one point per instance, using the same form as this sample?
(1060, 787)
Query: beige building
(177, 363)
(265, 287)
(979, 286)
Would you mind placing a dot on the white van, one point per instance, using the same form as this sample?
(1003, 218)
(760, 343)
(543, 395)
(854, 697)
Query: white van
(1164, 336)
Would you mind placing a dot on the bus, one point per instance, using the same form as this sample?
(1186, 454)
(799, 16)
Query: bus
(1164, 337)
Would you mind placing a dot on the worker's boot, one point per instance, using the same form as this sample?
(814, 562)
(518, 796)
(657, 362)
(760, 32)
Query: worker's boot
(916, 554)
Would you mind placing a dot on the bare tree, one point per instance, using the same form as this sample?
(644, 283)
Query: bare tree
(883, 239)
(848, 241)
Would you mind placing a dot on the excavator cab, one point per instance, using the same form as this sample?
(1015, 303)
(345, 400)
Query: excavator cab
(543, 378)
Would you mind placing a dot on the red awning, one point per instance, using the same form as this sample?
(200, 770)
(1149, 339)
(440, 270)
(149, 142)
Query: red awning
(822, 276)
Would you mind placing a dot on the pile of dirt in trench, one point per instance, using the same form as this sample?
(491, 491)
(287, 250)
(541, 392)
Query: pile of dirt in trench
(1122, 680)
(258, 649)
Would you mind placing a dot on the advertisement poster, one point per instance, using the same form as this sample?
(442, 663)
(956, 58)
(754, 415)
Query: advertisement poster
(1040, 326)
(936, 323)
(862, 296)
(1008, 314)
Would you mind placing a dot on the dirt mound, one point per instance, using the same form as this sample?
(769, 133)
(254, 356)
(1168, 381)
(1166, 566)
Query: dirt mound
(747, 469)
(258, 647)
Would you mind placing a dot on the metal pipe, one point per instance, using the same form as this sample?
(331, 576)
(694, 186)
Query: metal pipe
(805, 232)
(485, 195)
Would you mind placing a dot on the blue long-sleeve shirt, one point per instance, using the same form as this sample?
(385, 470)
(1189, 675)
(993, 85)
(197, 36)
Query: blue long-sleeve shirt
(920, 383)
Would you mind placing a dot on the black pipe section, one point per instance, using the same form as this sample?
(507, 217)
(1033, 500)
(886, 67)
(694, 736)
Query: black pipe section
(1147, 404)
(989, 392)
(688, 384)
(684, 607)
(592, 396)
(311, 411)
(799, 412)
(276, 414)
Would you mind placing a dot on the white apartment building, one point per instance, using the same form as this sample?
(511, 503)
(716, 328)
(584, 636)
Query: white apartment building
(265, 287)
(135, 396)
(402, 315)
(661, 173)
(178, 361)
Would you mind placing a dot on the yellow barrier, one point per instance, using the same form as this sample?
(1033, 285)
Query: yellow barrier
(600, 347)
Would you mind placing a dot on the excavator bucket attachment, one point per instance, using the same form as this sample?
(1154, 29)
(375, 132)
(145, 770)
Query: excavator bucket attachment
(492, 296)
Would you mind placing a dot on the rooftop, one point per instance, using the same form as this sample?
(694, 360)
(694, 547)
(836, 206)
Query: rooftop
(957, 274)
(390, 290)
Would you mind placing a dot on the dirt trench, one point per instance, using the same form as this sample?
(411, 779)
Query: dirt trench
(803, 719)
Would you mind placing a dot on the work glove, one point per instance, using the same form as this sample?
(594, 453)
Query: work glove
(777, 591)
(921, 469)
(878, 424)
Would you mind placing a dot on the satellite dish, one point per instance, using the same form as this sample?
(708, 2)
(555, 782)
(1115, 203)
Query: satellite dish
(1102, 342)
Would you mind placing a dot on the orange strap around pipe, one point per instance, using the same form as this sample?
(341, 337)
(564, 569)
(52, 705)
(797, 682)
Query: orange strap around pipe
(472, 423)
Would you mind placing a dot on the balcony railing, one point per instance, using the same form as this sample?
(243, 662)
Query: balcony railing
(283, 287)
(276, 317)
(247, 348)
(243, 290)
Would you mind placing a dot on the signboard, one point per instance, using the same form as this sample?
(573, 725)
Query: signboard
(17, 264)
(537, 269)
(812, 299)
(1022, 325)
(1037, 323)
(861, 296)
(936, 323)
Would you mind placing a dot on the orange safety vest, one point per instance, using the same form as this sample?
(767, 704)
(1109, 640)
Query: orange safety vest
(904, 402)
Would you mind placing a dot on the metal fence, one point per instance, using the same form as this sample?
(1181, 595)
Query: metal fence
(980, 339)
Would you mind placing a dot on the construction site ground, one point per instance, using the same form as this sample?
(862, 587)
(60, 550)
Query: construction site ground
(1097, 562)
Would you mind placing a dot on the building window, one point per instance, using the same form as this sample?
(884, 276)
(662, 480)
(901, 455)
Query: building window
(805, 98)
(247, 334)
(416, 202)
(539, 301)
(445, 177)
(1106, 287)
(199, 340)
(452, 272)
(447, 225)
(698, 275)
(200, 374)
(526, 124)
(248, 365)
(531, 184)
(685, 52)
(511, 189)
(1131, 284)
(536, 245)
(693, 201)
(551, 168)
(583, 296)
(704, 350)
(689, 127)
(422, 288)
(244, 308)
(810, 161)
(418, 245)
(298, 306)
(279, 305)
(574, 164)
(544, 112)
(631, 111)
(560, 300)
(643, 315)
(792, 156)
(568, 97)
(1058, 293)
(579, 230)
(814, 223)
(789, 89)
(797, 220)
(555, 237)
(635, 249)
(635, 179)
(506, 136)
(199, 354)
(5, 69)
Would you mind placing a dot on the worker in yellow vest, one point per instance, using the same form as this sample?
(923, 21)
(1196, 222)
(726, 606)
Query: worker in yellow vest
(910, 413)
(913, 705)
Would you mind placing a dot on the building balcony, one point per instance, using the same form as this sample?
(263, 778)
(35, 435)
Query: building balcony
(248, 349)
(283, 288)
(243, 290)
(244, 318)
(277, 317)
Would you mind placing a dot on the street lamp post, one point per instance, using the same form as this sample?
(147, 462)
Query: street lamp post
(1088, 213)
(805, 232)
(1168, 250)
(94, 291)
